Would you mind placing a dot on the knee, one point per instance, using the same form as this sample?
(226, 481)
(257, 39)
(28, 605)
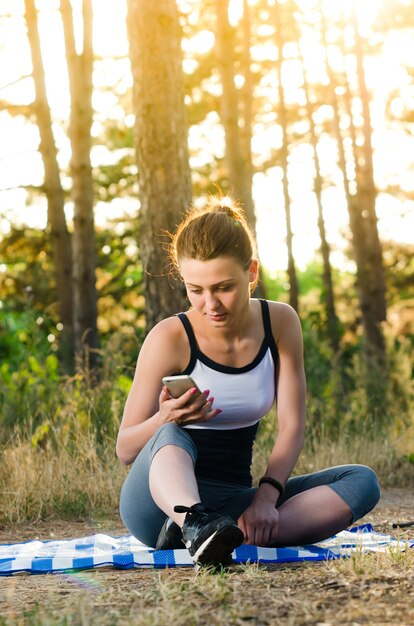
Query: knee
(167, 430)
(172, 434)
(370, 487)
(169, 433)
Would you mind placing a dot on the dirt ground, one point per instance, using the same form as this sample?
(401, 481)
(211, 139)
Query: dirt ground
(366, 590)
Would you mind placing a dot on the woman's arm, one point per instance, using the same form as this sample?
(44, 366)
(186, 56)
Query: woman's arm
(141, 416)
(291, 395)
(260, 521)
(165, 351)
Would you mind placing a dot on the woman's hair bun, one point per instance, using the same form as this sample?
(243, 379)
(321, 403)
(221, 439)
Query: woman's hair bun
(218, 229)
(228, 208)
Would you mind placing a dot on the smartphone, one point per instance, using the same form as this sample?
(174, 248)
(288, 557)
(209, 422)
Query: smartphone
(177, 385)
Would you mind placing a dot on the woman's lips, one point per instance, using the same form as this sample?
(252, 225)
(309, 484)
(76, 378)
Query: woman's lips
(216, 316)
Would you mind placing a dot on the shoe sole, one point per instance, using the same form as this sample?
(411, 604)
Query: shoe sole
(216, 549)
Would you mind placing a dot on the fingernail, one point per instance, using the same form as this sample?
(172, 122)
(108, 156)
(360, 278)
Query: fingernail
(206, 392)
(219, 411)
(211, 399)
(193, 390)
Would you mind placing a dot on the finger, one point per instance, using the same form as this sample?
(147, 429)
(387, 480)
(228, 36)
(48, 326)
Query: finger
(248, 536)
(213, 413)
(255, 536)
(265, 537)
(242, 526)
(187, 397)
(274, 533)
(251, 535)
(165, 394)
(200, 402)
(196, 409)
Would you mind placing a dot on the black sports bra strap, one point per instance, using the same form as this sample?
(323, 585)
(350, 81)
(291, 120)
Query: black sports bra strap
(188, 330)
(192, 341)
(268, 329)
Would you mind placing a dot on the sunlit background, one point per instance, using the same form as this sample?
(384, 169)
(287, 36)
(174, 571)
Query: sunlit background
(388, 68)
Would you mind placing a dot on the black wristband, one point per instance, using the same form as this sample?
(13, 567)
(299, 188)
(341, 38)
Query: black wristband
(272, 481)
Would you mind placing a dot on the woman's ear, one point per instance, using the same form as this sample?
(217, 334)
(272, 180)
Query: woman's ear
(253, 270)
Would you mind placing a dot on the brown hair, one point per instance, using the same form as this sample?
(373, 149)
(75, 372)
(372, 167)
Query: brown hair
(219, 229)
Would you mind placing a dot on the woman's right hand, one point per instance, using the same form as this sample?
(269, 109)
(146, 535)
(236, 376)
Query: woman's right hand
(187, 409)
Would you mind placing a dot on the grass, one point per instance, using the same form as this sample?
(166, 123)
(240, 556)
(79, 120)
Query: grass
(74, 475)
(57, 462)
(69, 470)
(365, 589)
(383, 451)
(69, 480)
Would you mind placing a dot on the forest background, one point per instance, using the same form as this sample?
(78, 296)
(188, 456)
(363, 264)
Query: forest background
(113, 121)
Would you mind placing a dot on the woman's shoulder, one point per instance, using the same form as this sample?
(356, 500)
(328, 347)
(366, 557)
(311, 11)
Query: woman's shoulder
(284, 319)
(170, 328)
(281, 311)
(166, 344)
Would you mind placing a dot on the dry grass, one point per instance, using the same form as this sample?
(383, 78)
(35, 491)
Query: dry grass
(373, 589)
(63, 477)
(379, 592)
(68, 480)
(385, 454)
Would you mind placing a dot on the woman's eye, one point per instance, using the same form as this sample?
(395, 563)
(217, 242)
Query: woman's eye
(195, 290)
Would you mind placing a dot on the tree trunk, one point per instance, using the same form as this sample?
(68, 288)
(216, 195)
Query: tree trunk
(367, 192)
(84, 244)
(247, 99)
(292, 277)
(161, 144)
(239, 179)
(328, 298)
(60, 237)
(362, 218)
(246, 130)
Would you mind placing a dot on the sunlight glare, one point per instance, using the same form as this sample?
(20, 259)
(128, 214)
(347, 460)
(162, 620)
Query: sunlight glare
(235, 11)
(21, 164)
(203, 42)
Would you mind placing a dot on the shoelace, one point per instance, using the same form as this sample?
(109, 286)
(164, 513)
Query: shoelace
(194, 509)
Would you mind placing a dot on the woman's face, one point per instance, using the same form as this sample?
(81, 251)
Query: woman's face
(219, 289)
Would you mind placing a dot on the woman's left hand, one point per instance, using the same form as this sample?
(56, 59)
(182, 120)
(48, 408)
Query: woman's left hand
(260, 523)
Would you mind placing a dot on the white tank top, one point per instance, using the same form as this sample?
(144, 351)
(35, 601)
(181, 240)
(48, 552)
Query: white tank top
(245, 394)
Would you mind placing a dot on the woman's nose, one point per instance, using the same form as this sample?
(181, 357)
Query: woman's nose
(212, 301)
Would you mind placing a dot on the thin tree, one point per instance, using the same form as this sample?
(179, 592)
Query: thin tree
(161, 143)
(247, 96)
(284, 153)
(239, 178)
(367, 193)
(328, 297)
(361, 208)
(375, 356)
(80, 66)
(60, 237)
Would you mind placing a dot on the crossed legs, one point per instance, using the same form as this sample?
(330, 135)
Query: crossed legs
(313, 507)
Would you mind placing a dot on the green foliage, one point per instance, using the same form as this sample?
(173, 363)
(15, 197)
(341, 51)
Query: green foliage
(35, 399)
(50, 412)
(29, 312)
(399, 270)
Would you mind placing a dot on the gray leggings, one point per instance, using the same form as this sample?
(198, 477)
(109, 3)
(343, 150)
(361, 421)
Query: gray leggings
(357, 485)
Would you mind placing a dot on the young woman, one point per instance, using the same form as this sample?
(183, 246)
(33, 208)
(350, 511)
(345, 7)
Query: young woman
(190, 477)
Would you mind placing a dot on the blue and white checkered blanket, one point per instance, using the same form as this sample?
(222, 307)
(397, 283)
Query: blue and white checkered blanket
(40, 557)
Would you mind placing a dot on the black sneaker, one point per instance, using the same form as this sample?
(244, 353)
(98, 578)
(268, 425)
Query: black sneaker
(209, 536)
(170, 537)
